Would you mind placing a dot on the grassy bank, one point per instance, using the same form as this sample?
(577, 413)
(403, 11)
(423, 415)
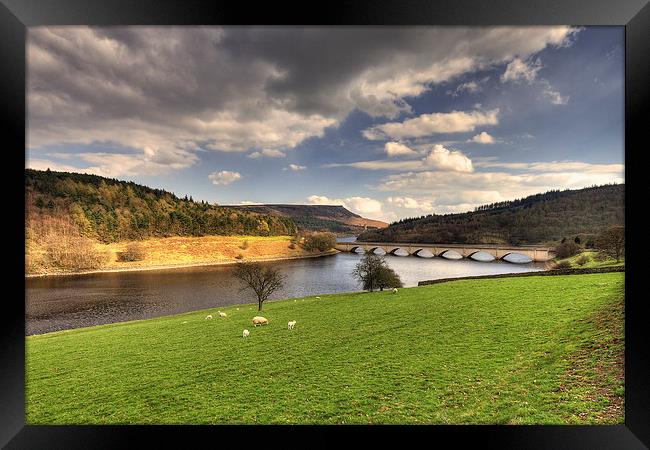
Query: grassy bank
(593, 260)
(186, 251)
(537, 350)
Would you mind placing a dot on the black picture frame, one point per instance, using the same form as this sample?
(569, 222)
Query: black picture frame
(16, 15)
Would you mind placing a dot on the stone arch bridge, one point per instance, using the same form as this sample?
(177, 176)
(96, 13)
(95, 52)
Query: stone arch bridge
(480, 252)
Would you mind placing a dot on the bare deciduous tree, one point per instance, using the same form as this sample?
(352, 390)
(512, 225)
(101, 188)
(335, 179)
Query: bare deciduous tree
(612, 242)
(262, 280)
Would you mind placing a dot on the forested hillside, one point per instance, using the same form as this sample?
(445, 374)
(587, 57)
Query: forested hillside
(540, 218)
(110, 210)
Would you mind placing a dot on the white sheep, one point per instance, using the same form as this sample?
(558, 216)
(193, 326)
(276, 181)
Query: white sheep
(317, 298)
(291, 324)
(246, 333)
(222, 314)
(209, 316)
(394, 290)
(259, 320)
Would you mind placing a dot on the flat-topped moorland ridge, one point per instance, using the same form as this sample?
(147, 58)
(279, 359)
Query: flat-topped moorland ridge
(534, 350)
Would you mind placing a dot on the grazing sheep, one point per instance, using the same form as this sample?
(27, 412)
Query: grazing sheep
(246, 333)
(222, 314)
(291, 324)
(237, 309)
(317, 298)
(259, 320)
(394, 290)
(209, 316)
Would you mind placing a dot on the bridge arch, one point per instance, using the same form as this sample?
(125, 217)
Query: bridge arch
(356, 248)
(374, 251)
(482, 256)
(517, 258)
(398, 249)
(423, 253)
(451, 254)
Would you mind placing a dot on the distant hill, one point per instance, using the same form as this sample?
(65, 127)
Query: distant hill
(332, 218)
(110, 210)
(540, 218)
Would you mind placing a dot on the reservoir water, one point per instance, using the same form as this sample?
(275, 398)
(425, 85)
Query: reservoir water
(64, 302)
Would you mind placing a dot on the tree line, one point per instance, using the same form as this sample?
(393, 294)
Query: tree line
(540, 218)
(110, 210)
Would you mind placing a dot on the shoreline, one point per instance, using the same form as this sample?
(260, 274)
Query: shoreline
(178, 266)
(557, 272)
(312, 296)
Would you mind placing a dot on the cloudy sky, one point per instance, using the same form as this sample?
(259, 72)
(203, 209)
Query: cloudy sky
(390, 122)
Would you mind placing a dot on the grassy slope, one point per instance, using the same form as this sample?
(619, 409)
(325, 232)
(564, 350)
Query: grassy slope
(187, 250)
(518, 350)
(206, 249)
(593, 261)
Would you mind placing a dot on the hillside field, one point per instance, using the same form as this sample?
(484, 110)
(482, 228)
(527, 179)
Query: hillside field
(535, 350)
(180, 251)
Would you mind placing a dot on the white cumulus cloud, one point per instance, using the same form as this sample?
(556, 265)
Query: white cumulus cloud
(442, 158)
(470, 87)
(359, 205)
(397, 149)
(411, 203)
(439, 158)
(44, 164)
(224, 177)
(483, 138)
(435, 123)
(553, 95)
(462, 191)
(518, 70)
(267, 152)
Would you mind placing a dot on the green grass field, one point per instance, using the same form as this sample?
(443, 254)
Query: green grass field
(593, 260)
(537, 350)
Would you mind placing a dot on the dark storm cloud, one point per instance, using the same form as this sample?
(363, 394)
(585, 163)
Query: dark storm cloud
(167, 91)
(320, 63)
